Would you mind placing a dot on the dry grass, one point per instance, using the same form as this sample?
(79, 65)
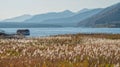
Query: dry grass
(80, 50)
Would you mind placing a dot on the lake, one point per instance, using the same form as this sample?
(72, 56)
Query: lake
(37, 32)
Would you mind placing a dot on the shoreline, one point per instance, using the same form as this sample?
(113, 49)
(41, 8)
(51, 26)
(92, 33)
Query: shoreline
(97, 35)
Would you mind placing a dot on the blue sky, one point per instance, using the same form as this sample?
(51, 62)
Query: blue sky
(12, 8)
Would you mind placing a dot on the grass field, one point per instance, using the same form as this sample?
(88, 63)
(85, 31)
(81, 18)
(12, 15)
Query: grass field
(78, 50)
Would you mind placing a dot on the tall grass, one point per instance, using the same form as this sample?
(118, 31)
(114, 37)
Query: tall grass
(80, 50)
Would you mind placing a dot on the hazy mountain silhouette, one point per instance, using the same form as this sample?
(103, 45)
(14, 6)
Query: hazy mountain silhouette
(61, 19)
(18, 19)
(73, 20)
(25, 25)
(109, 17)
(52, 15)
(84, 10)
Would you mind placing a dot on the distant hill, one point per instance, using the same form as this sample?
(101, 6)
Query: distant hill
(61, 19)
(25, 25)
(84, 10)
(73, 20)
(18, 19)
(109, 17)
(52, 15)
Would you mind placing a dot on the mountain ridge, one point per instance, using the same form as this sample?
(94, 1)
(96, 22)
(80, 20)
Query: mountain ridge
(18, 18)
(73, 20)
(50, 15)
(109, 17)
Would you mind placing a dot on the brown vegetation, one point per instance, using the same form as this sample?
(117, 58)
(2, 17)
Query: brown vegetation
(78, 50)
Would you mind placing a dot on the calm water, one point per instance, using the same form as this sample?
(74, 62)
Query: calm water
(56, 31)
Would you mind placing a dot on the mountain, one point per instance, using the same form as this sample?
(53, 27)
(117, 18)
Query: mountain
(109, 17)
(52, 15)
(18, 19)
(61, 19)
(73, 20)
(84, 10)
(25, 25)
